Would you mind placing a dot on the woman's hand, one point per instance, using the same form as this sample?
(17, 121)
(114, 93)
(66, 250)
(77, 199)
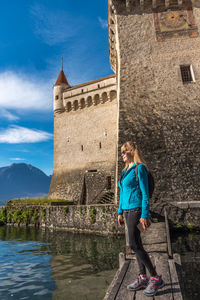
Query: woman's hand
(120, 220)
(145, 223)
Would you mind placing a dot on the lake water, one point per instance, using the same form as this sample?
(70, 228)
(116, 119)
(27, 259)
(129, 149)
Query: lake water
(45, 264)
(188, 246)
(41, 264)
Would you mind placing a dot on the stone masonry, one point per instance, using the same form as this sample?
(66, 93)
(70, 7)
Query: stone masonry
(156, 109)
(153, 99)
(85, 148)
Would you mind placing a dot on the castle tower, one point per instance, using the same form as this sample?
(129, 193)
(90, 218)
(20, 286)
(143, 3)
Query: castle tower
(154, 49)
(60, 85)
(85, 140)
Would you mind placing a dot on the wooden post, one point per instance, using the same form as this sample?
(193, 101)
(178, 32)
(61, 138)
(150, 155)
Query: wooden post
(169, 246)
(121, 260)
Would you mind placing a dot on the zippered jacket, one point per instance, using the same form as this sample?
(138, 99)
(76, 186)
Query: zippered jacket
(133, 193)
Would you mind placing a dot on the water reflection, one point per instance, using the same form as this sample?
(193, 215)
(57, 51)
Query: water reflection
(42, 264)
(188, 246)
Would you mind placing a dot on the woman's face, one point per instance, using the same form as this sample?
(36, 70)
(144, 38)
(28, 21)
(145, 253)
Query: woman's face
(127, 155)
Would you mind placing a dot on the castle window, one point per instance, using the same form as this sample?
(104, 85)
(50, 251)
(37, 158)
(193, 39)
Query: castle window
(82, 103)
(96, 99)
(89, 101)
(81, 147)
(82, 90)
(75, 104)
(57, 97)
(108, 182)
(98, 86)
(68, 106)
(92, 171)
(112, 32)
(187, 73)
(100, 145)
(112, 21)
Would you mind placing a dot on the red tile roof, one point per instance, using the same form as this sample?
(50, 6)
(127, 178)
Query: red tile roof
(62, 79)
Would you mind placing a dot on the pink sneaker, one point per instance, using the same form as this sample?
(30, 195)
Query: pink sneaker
(153, 286)
(138, 284)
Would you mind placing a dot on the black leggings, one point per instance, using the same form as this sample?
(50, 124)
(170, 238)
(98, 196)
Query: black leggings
(132, 217)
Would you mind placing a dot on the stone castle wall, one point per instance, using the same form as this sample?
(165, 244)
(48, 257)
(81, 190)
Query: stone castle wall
(100, 219)
(156, 109)
(85, 142)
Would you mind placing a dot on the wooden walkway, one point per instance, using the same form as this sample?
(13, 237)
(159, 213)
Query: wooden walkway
(157, 244)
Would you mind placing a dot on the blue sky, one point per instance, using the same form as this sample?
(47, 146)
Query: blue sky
(34, 36)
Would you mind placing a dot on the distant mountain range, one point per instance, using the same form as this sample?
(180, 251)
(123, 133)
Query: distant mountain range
(22, 180)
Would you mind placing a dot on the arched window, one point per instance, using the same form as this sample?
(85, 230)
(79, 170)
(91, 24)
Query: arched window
(82, 103)
(104, 97)
(68, 106)
(96, 99)
(89, 101)
(113, 95)
(75, 104)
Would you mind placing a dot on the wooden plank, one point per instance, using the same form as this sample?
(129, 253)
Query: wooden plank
(155, 239)
(131, 275)
(169, 246)
(162, 268)
(116, 283)
(176, 290)
(139, 294)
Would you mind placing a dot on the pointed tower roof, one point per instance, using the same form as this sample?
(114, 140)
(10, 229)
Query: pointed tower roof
(62, 78)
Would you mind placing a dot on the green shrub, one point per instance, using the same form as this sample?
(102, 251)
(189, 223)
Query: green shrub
(178, 225)
(66, 210)
(93, 213)
(43, 213)
(17, 216)
(36, 215)
(3, 216)
(191, 226)
(36, 201)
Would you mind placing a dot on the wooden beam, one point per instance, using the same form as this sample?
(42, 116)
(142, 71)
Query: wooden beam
(169, 246)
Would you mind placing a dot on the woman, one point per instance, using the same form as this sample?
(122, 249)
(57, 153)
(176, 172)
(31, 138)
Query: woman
(134, 205)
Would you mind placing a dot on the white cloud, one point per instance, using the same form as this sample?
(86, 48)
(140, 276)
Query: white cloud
(17, 159)
(8, 115)
(18, 134)
(53, 26)
(18, 91)
(103, 23)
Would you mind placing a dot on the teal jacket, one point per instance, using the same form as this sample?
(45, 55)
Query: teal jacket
(132, 194)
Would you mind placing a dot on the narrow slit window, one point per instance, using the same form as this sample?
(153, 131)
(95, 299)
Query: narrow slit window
(100, 145)
(187, 73)
(92, 171)
(81, 147)
(108, 182)
(57, 97)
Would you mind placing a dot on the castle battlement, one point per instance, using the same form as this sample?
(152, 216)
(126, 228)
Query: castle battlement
(89, 94)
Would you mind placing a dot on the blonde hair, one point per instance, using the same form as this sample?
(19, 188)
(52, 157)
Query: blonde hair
(135, 152)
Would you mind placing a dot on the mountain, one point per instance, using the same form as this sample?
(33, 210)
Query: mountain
(22, 180)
